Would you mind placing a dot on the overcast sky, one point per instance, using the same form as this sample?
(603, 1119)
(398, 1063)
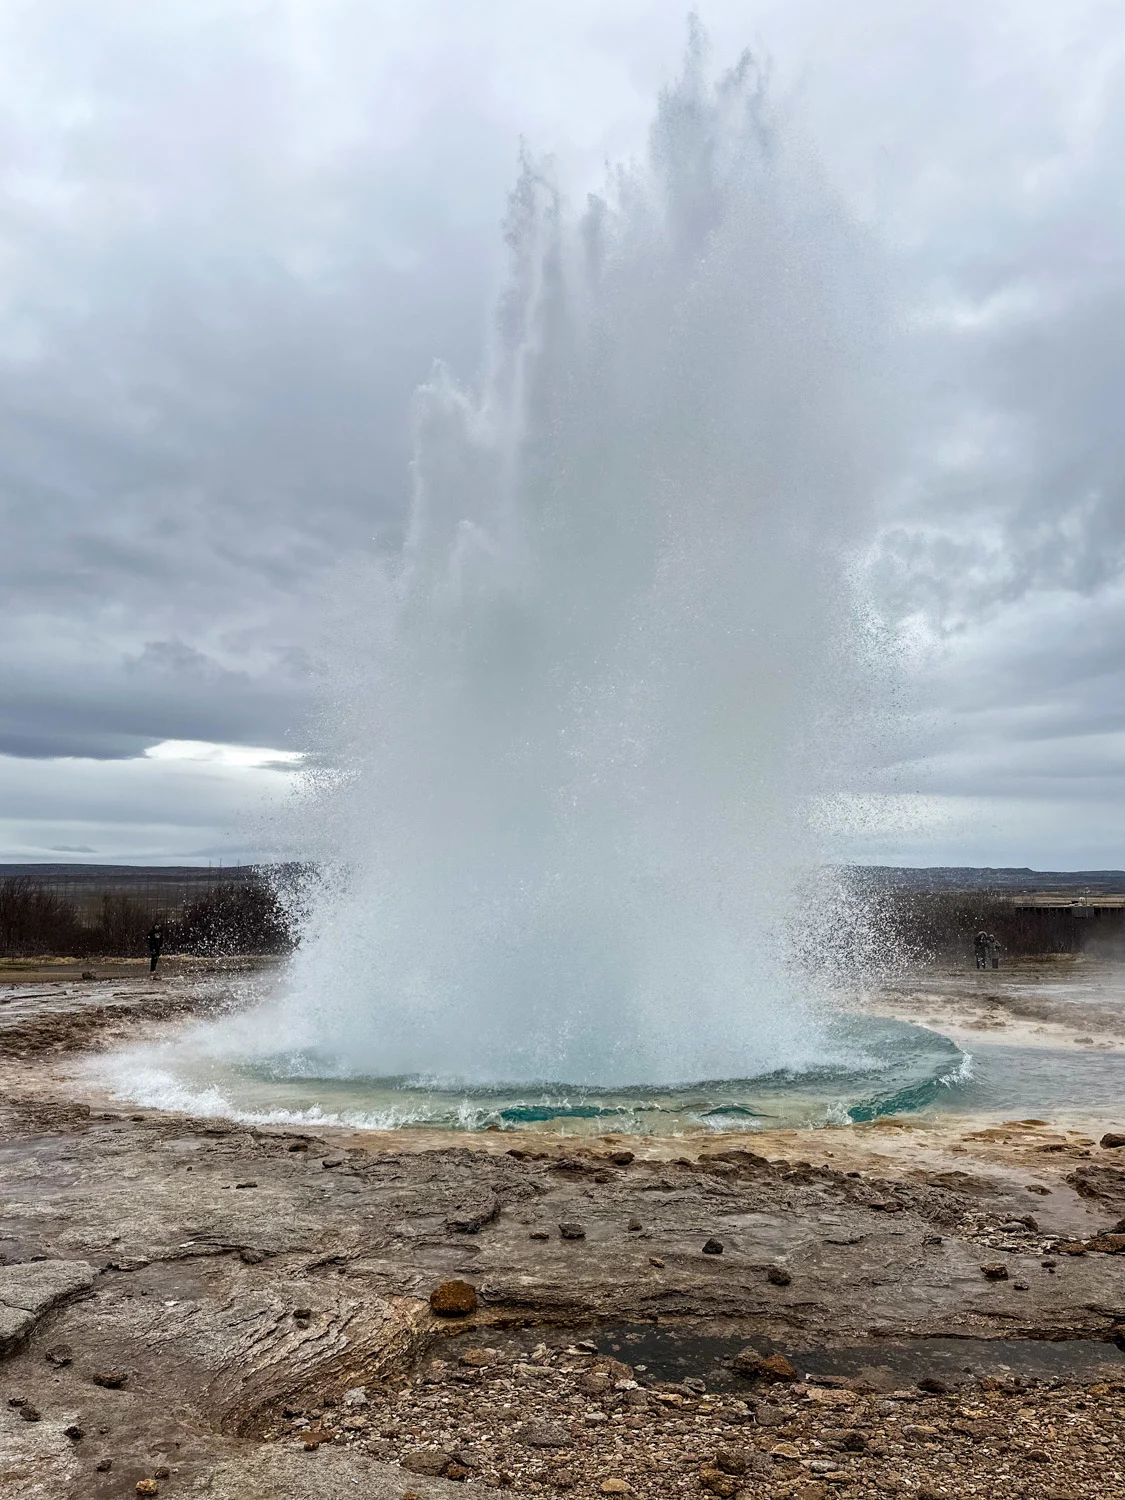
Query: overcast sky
(234, 235)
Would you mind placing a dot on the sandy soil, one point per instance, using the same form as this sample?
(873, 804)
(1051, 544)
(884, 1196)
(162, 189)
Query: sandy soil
(1064, 1003)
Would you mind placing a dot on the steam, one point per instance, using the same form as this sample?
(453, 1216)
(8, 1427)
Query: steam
(574, 734)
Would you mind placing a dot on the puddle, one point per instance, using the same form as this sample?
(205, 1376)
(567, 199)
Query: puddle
(667, 1353)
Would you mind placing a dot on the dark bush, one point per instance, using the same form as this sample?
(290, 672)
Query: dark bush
(35, 920)
(941, 924)
(239, 917)
(235, 917)
(120, 930)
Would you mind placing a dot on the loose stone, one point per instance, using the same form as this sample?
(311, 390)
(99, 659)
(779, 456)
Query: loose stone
(545, 1435)
(572, 1231)
(432, 1462)
(453, 1299)
(713, 1247)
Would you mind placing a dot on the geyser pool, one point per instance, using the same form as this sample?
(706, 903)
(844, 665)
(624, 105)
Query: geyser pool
(576, 728)
(872, 1067)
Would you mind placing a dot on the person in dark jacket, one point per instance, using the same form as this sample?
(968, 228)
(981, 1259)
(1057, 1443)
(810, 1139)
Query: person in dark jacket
(982, 948)
(155, 941)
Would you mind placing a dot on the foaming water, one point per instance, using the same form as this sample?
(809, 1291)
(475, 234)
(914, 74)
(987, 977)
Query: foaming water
(574, 729)
(872, 1067)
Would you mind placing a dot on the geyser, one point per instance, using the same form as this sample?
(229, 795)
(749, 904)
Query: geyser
(574, 730)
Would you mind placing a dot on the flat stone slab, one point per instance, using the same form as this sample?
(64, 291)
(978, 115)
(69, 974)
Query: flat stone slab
(37, 1285)
(15, 1325)
(29, 1290)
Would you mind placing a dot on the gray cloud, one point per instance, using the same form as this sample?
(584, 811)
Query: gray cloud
(233, 239)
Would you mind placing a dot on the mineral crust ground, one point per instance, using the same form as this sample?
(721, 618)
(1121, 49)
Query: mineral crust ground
(194, 1307)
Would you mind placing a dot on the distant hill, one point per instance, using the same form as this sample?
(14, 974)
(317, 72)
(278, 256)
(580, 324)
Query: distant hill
(1008, 880)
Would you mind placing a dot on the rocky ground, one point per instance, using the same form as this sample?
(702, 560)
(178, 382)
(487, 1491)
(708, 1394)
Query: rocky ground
(191, 1307)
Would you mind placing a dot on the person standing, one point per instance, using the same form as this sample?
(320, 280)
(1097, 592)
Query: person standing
(155, 941)
(981, 948)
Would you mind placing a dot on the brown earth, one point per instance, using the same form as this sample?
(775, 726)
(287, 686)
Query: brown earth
(248, 1309)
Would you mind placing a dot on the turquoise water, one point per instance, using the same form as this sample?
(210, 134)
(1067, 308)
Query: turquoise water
(880, 1067)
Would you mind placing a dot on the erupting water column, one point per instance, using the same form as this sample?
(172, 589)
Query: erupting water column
(576, 726)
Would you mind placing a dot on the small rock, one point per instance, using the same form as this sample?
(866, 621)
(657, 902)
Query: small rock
(634, 1225)
(147, 1487)
(303, 1313)
(88, 974)
(1111, 1141)
(112, 1380)
(603, 1177)
(328, 1162)
(17, 1400)
(713, 1247)
(104, 1465)
(932, 1384)
(572, 1231)
(616, 1487)
(732, 1460)
(162, 1473)
(539, 1234)
(1107, 1244)
(477, 1359)
(313, 1437)
(74, 1432)
(544, 1435)
(995, 1271)
(453, 1299)
(563, 1479)
(596, 1384)
(432, 1462)
(774, 1367)
(719, 1483)
(846, 1439)
(778, 1275)
(654, 1260)
(621, 1158)
(59, 1355)
(251, 1257)
(457, 1472)
(472, 1218)
(246, 1184)
(29, 1413)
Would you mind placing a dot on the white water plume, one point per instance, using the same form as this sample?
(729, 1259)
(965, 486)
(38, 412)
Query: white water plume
(575, 728)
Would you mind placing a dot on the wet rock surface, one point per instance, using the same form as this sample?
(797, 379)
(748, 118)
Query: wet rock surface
(281, 1340)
